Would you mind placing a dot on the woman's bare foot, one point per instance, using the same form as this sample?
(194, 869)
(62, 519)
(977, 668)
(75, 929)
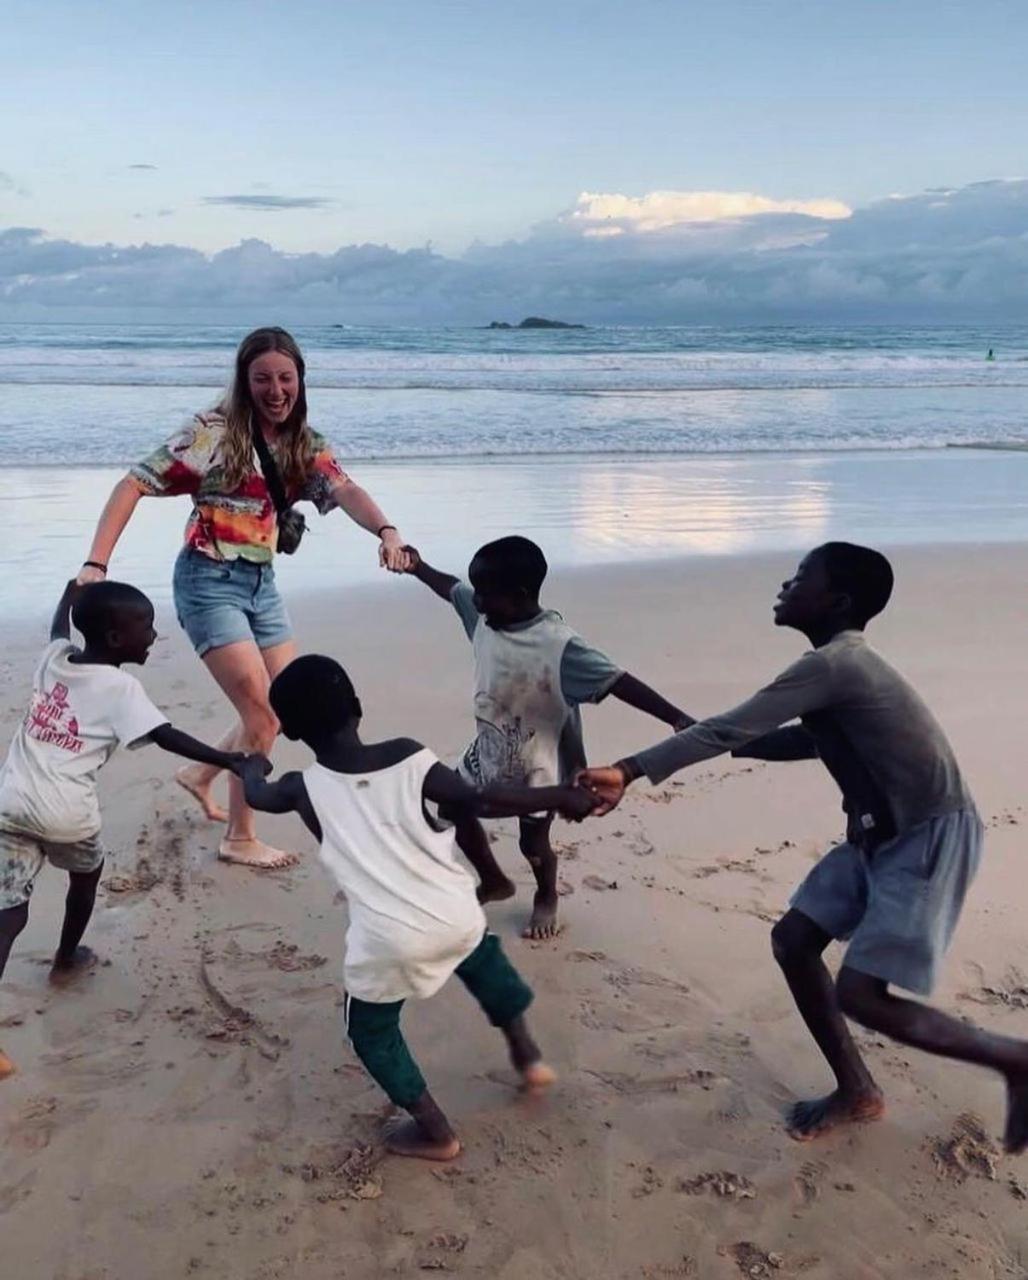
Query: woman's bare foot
(201, 792)
(66, 968)
(543, 922)
(808, 1120)
(251, 852)
(407, 1138)
(496, 889)
(7, 1067)
(1015, 1135)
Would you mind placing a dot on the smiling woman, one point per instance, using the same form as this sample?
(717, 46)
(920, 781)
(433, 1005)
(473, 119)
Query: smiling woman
(244, 464)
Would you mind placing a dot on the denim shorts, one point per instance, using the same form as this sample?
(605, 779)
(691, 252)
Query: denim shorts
(899, 905)
(221, 602)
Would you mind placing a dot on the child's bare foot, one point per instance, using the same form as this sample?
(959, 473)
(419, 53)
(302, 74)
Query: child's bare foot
(201, 792)
(496, 889)
(66, 968)
(7, 1067)
(527, 1057)
(251, 852)
(543, 923)
(808, 1120)
(1015, 1135)
(407, 1138)
(537, 1076)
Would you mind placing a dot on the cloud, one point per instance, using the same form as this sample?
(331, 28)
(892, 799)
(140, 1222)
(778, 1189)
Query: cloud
(951, 253)
(143, 166)
(269, 203)
(609, 214)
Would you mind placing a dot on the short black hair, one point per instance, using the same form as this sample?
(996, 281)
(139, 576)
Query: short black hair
(313, 696)
(513, 564)
(95, 611)
(862, 573)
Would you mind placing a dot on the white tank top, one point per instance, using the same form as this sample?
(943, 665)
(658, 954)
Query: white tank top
(413, 912)
(521, 713)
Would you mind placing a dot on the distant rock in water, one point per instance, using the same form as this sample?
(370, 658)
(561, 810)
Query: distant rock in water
(535, 322)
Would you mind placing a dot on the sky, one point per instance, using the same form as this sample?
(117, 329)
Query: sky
(469, 141)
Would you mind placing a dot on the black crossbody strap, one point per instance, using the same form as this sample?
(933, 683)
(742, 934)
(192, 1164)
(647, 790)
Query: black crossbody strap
(272, 478)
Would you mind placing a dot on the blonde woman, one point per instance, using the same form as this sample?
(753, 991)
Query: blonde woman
(224, 581)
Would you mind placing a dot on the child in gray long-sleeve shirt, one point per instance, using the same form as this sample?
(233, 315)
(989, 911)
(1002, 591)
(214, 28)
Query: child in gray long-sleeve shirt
(896, 886)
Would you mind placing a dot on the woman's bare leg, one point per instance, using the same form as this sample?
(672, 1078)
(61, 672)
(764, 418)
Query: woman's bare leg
(198, 779)
(242, 672)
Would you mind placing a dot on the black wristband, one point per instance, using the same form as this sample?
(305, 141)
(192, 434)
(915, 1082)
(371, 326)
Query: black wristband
(384, 528)
(94, 564)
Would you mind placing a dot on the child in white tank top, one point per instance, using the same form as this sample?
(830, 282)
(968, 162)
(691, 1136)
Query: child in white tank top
(415, 918)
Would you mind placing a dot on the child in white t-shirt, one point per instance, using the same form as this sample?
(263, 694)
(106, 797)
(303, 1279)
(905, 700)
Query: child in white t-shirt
(532, 673)
(84, 706)
(415, 919)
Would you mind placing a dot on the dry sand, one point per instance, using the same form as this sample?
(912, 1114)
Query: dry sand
(191, 1107)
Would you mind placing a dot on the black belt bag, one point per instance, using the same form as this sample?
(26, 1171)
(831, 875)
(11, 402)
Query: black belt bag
(291, 523)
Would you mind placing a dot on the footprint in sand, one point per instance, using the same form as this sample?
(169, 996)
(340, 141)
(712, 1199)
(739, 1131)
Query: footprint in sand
(968, 1152)
(89, 1070)
(727, 1185)
(753, 1261)
(808, 1181)
(635, 1086)
(1011, 993)
(33, 1128)
(16, 1192)
(630, 975)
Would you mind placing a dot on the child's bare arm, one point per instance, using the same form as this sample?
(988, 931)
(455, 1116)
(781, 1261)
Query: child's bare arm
(627, 688)
(178, 743)
(441, 583)
(60, 627)
(443, 786)
(286, 795)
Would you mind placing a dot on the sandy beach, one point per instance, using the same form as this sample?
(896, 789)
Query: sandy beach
(191, 1107)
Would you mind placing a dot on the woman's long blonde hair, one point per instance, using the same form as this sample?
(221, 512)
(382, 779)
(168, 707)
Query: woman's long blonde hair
(237, 409)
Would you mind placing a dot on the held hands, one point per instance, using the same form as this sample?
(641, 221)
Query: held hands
(246, 766)
(392, 553)
(413, 558)
(576, 803)
(606, 785)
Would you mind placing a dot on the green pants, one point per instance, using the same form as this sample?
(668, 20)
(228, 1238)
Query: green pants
(374, 1029)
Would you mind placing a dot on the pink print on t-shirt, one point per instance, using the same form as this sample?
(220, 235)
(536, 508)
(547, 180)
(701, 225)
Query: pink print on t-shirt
(51, 719)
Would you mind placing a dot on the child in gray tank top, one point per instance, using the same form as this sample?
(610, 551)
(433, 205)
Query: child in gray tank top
(532, 673)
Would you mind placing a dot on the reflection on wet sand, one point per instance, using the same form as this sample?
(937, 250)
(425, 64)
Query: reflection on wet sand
(582, 511)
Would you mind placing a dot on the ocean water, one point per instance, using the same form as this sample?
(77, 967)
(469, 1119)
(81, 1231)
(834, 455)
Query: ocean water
(606, 445)
(103, 395)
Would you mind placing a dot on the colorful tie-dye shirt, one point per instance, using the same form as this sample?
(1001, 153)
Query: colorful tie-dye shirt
(243, 523)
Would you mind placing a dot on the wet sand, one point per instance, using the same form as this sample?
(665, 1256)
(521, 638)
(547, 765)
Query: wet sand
(583, 511)
(191, 1108)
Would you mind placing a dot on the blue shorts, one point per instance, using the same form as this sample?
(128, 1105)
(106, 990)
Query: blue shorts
(221, 602)
(899, 905)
